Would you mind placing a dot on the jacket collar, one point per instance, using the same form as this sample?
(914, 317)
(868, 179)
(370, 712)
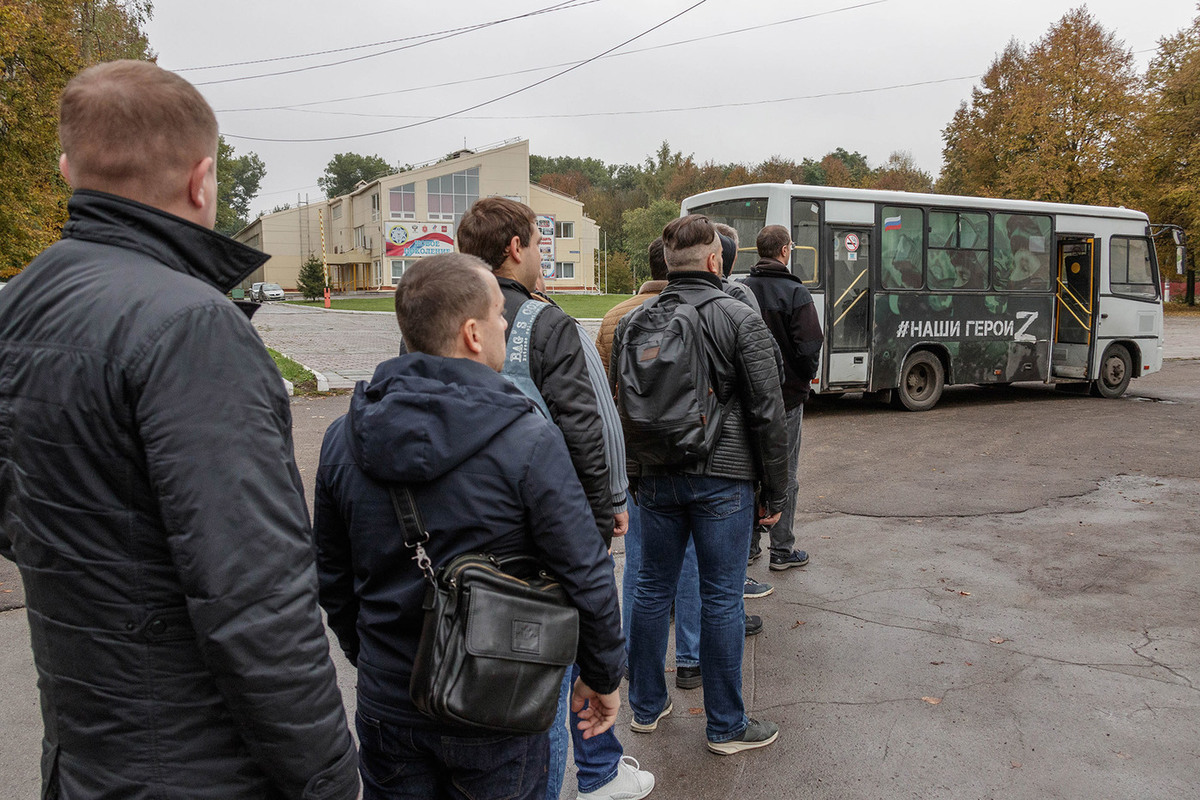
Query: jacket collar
(179, 244)
(652, 287)
(512, 283)
(693, 278)
(770, 268)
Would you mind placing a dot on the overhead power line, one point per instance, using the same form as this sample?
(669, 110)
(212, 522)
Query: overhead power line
(494, 75)
(428, 38)
(504, 96)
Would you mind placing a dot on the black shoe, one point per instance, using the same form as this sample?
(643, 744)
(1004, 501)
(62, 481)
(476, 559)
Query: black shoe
(687, 677)
(753, 624)
(796, 558)
(756, 734)
(756, 588)
(755, 554)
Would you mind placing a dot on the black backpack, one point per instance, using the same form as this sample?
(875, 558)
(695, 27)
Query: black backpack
(669, 410)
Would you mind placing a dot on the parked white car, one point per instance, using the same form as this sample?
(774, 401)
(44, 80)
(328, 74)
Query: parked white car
(270, 291)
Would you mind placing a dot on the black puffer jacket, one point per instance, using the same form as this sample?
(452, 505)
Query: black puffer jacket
(753, 440)
(149, 494)
(489, 474)
(558, 369)
(788, 309)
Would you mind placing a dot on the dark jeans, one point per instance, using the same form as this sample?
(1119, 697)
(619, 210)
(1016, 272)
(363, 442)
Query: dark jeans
(401, 762)
(783, 537)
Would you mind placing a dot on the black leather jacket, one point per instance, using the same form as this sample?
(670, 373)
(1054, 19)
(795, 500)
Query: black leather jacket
(149, 495)
(558, 369)
(753, 441)
(788, 309)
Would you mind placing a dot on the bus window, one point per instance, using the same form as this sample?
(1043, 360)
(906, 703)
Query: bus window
(958, 250)
(747, 217)
(1131, 272)
(1022, 252)
(900, 247)
(806, 240)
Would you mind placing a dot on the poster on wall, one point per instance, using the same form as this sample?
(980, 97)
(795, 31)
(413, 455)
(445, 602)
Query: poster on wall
(417, 239)
(545, 223)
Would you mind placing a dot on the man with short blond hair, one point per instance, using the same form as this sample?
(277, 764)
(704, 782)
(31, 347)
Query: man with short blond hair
(489, 475)
(148, 488)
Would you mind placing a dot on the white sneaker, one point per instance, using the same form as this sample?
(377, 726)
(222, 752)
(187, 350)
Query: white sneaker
(631, 783)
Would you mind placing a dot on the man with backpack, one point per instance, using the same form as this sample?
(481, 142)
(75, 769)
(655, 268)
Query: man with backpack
(697, 387)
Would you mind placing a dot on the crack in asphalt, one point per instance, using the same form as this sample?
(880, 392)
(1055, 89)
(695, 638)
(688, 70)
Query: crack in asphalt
(1154, 661)
(1183, 681)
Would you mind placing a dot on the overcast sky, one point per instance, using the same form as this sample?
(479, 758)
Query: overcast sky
(868, 75)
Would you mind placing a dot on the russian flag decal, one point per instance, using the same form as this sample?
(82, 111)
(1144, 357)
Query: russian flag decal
(891, 224)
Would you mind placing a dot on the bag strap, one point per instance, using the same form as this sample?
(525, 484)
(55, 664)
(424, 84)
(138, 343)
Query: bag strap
(415, 535)
(516, 356)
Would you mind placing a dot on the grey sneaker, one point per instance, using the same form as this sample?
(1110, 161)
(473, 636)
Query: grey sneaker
(756, 734)
(756, 588)
(753, 624)
(652, 725)
(630, 783)
(796, 558)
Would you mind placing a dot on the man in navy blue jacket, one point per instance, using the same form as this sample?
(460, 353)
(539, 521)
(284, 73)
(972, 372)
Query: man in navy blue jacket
(489, 474)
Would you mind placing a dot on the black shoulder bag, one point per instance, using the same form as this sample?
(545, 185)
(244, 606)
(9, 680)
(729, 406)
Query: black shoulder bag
(498, 636)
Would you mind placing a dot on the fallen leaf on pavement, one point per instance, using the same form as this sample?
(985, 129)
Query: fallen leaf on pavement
(798, 624)
(695, 712)
(937, 663)
(965, 594)
(933, 701)
(997, 640)
(1016, 764)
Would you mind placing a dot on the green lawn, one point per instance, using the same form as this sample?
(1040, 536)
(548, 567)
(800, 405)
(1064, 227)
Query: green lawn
(303, 381)
(582, 306)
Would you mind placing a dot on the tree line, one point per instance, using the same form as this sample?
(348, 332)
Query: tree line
(1067, 118)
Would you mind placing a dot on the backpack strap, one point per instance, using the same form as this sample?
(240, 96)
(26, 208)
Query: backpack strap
(516, 356)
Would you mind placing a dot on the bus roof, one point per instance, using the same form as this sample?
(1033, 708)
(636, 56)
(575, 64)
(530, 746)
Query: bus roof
(907, 198)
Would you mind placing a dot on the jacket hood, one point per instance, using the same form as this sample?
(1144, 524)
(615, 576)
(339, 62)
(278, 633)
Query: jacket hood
(421, 416)
(182, 245)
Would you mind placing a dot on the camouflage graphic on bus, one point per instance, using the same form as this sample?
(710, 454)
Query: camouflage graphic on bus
(989, 338)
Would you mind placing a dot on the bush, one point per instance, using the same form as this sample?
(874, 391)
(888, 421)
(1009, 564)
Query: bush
(311, 280)
(620, 277)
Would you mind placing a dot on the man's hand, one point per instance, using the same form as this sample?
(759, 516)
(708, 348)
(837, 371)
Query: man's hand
(601, 710)
(763, 519)
(620, 524)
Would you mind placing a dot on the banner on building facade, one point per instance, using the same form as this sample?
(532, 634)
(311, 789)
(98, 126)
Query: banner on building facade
(545, 223)
(417, 239)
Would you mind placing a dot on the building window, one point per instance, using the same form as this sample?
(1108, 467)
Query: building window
(336, 211)
(374, 208)
(564, 269)
(451, 195)
(399, 265)
(564, 230)
(402, 201)
(361, 242)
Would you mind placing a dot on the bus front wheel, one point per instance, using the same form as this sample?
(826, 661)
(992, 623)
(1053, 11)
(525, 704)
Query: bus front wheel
(921, 381)
(1116, 368)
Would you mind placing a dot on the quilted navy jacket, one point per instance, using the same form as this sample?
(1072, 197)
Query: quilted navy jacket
(490, 475)
(149, 495)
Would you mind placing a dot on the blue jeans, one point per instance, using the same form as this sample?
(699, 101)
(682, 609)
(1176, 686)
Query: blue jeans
(596, 759)
(398, 762)
(716, 514)
(783, 537)
(687, 597)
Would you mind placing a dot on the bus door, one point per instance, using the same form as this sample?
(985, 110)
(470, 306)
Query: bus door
(847, 308)
(1074, 306)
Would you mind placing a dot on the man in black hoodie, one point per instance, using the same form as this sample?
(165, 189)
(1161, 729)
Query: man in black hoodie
(489, 474)
(787, 308)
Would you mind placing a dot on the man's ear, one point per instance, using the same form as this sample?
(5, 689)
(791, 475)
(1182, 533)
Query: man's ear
(64, 168)
(514, 249)
(197, 192)
(469, 335)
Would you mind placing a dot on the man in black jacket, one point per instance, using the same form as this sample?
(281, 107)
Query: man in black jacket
(504, 234)
(490, 475)
(709, 500)
(148, 490)
(788, 310)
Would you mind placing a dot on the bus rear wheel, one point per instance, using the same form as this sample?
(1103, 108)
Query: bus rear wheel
(1116, 368)
(921, 382)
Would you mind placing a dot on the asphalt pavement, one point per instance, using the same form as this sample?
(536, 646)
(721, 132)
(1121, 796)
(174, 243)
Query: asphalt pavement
(1001, 602)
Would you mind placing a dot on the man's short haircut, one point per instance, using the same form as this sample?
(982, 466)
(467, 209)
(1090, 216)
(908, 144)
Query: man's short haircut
(134, 129)
(771, 240)
(490, 224)
(688, 241)
(728, 230)
(658, 262)
(436, 296)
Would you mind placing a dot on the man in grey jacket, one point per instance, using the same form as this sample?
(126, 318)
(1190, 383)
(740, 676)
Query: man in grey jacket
(148, 489)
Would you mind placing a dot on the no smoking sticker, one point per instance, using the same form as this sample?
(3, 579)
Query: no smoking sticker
(851, 243)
